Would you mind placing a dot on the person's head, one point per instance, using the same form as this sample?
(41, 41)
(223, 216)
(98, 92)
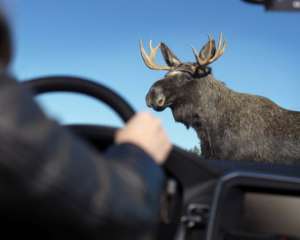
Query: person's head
(5, 41)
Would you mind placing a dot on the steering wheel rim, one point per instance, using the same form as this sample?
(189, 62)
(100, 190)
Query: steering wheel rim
(87, 87)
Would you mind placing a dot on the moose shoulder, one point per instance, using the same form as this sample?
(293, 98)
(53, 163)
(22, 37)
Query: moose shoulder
(230, 125)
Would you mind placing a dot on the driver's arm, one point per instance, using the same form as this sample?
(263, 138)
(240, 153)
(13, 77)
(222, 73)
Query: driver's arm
(46, 171)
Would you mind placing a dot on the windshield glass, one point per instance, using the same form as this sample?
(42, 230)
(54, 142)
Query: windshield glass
(99, 40)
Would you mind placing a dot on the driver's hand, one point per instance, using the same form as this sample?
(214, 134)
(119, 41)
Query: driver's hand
(146, 131)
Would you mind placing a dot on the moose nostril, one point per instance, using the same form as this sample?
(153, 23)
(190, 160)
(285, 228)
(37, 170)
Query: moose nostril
(160, 101)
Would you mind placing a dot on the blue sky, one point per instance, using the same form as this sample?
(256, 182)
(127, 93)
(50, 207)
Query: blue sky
(99, 40)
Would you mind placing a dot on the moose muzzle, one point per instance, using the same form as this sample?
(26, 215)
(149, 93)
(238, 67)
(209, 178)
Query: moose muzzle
(156, 99)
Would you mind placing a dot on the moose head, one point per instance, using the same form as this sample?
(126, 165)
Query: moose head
(167, 92)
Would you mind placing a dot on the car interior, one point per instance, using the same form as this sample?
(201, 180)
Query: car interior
(203, 199)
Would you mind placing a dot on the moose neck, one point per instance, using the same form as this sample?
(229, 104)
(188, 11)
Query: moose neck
(201, 106)
(200, 102)
(213, 95)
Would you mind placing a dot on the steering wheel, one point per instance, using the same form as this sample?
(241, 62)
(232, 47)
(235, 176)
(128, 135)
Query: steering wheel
(180, 165)
(99, 136)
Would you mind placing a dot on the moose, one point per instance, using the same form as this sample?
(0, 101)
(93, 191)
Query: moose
(229, 124)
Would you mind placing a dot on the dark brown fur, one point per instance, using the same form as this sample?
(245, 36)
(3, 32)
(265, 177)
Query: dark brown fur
(231, 125)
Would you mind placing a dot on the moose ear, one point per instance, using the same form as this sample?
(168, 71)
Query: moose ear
(169, 57)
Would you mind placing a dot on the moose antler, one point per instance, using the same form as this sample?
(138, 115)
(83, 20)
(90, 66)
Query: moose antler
(149, 59)
(209, 53)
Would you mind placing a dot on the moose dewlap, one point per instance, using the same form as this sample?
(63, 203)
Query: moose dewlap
(230, 125)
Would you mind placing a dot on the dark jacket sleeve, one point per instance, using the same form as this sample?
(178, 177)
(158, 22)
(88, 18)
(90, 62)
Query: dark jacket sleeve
(47, 173)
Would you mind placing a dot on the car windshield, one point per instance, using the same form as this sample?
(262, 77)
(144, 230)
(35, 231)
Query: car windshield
(99, 40)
